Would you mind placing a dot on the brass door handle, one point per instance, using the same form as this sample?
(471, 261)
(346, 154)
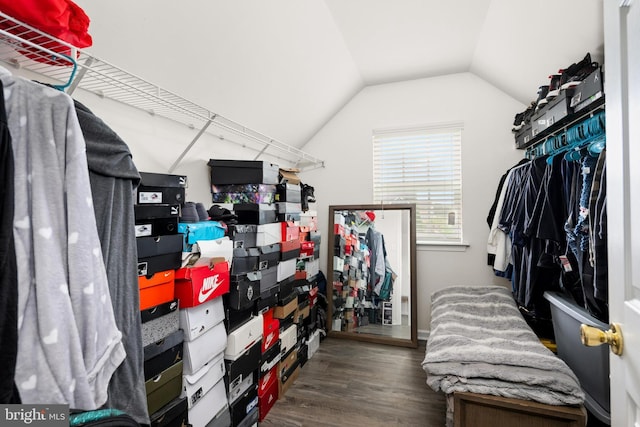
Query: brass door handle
(592, 337)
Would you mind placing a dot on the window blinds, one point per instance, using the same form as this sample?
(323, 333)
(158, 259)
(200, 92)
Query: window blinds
(422, 166)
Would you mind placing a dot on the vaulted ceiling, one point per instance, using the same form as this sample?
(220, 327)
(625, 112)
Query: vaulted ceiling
(285, 67)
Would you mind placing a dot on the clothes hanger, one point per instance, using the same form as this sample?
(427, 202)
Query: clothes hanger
(62, 87)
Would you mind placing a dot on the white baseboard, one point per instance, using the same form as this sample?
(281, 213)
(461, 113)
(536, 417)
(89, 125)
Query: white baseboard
(423, 334)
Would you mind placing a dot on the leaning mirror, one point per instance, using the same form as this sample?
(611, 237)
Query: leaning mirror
(372, 280)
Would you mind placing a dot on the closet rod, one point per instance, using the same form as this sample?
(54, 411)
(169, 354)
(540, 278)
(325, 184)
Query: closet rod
(109, 81)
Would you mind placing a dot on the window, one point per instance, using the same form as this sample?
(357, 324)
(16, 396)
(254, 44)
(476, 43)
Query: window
(422, 166)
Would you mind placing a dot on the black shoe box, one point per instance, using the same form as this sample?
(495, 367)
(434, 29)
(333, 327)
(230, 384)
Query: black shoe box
(269, 256)
(269, 281)
(173, 414)
(156, 227)
(244, 406)
(146, 195)
(255, 213)
(291, 216)
(244, 290)
(590, 90)
(151, 265)
(236, 318)
(251, 419)
(159, 245)
(243, 172)
(267, 300)
(144, 212)
(245, 366)
(162, 180)
(539, 121)
(524, 136)
(243, 235)
(155, 349)
(559, 108)
(286, 288)
(171, 355)
(158, 311)
(288, 193)
(303, 354)
(270, 358)
(245, 260)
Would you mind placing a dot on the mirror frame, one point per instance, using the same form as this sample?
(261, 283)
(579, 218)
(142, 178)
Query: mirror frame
(380, 339)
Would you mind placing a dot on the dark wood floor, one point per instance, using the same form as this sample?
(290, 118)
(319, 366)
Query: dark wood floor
(350, 383)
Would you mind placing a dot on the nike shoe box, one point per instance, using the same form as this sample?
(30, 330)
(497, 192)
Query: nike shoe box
(244, 235)
(244, 290)
(157, 289)
(242, 372)
(166, 352)
(255, 213)
(174, 414)
(204, 348)
(288, 338)
(211, 409)
(157, 188)
(164, 388)
(265, 380)
(244, 407)
(270, 359)
(589, 91)
(224, 172)
(198, 284)
(270, 330)
(287, 379)
(222, 418)
(286, 269)
(244, 193)
(159, 322)
(195, 321)
(268, 234)
(158, 245)
(243, 338)
(288, 193)
(286, 307)
(196, 386)
(289, 249)
(236, 318)
(203, 230)
(267, 396)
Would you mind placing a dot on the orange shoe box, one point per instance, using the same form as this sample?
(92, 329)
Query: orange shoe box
(157, 289)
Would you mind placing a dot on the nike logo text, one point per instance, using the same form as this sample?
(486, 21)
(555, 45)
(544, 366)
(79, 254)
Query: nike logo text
(209, 285)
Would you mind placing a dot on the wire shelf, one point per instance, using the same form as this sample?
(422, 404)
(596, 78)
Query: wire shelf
(62, 64)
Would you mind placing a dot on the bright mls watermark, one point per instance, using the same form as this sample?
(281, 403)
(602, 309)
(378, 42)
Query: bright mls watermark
(34, 415)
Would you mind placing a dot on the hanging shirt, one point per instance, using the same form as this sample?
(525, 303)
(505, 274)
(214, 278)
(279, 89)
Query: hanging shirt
(69, 345)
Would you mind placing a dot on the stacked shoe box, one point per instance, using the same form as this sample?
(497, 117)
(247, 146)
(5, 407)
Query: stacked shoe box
(248, 188)
(200, 288)
(159, 246)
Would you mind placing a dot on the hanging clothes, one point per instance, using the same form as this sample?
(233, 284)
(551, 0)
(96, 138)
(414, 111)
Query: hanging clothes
(8, 273)
(114, 178)
(69, 343)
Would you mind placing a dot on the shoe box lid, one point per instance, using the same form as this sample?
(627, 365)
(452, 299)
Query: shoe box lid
(162, 180)
(158, 347)
(218, 248)
(243, 235)
(157, 289)
(198, 384)
(287, 269)
(213, 402)
(268, 234)
(243, 172)
(241, 339)
(288, 338)
(173, 414)
(144, 212)
(198, 284)
(204, 348)
(195, 321)
(588, 91)
(159, 311)
(290, 176)
(255, 259)
(153, 264)
(164, 387)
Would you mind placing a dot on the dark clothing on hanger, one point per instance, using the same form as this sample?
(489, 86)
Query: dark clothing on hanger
(8, 268)
(114, 177)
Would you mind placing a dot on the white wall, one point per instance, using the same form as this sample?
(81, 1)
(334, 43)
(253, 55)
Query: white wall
(488, 150)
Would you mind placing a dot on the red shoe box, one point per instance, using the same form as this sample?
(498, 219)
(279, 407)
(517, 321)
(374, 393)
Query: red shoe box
(270, 330)
(195, 285)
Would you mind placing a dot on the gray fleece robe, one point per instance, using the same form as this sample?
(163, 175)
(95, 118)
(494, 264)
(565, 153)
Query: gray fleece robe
(68, 344)
(113, 177)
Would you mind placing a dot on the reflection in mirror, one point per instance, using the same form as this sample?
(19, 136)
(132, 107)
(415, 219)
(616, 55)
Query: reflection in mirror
(373, 284)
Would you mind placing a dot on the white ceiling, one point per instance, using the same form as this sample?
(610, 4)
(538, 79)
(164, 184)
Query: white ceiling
(285, 67)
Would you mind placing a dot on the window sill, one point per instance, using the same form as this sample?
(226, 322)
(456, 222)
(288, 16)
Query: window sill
(442, 247)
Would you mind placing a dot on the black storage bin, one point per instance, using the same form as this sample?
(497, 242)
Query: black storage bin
(243, 172)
